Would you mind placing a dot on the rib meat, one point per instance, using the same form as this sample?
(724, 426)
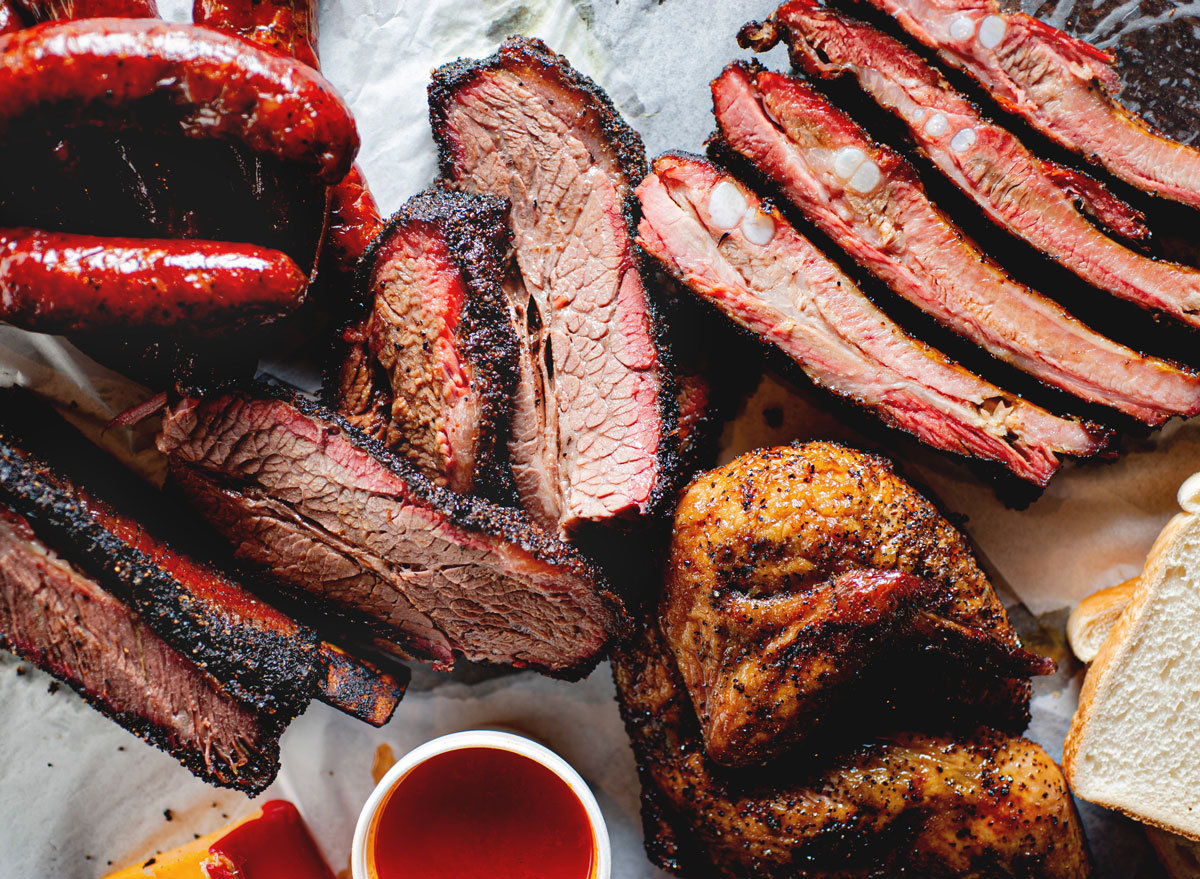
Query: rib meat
(432, 367)
(66, 623)
(711, 233)
(328, 513)
(1029, 197)
(990, 805)
(870, 201)
(1061, 86)
(599, 442)
(260, 656)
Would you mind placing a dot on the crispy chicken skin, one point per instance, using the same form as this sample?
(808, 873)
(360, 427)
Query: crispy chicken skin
(799, 573)
(929, 806)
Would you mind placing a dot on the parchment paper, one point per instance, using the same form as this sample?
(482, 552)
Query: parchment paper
(81, 796)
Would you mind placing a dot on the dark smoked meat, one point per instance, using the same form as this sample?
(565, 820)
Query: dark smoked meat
(332, 515)
(431, 368)
(69, 625)
(259, 655)
(594, 432)
(737, 253)
(1062, 86)
(774, 627)
(988, 805)
(1020, 192)
(869, 200)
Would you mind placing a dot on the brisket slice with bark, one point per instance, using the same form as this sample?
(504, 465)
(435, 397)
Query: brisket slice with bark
(331, 514)
(739, 254)
(260, 656)
(594, 429)
(66, 623)
(432, 365)
(1062, 86)
(1027, 196)
(869, 200)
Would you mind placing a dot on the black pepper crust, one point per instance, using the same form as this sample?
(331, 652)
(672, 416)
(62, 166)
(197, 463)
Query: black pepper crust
(272, 671)
(252, 777)
(475, 229)
(988, 805)
(525, 54)
(468, 512)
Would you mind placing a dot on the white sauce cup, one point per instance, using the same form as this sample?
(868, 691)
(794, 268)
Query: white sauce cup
(482, 738)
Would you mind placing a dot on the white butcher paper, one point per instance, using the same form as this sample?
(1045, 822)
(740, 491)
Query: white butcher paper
(82, 797)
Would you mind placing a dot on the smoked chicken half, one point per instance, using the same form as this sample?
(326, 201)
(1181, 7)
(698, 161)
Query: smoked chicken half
(817, 612)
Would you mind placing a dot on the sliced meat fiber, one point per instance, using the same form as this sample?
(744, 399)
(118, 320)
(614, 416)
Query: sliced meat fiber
(432, 367)
(68, 624)
(739, 254)
(1062, 86)
(870, 202)
(524, 126)
(141, 549)
(329, 513)
(1031, 198)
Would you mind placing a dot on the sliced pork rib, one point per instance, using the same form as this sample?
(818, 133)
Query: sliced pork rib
(432, 367)
(1061, 86)
(1029, 197)
(734, 251)
(329, 513)
(259, 655)
(870, 201)
(599, 442)
(66, 623)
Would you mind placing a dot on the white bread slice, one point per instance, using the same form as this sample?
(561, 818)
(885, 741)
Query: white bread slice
(1093, 618)
(1134, 743)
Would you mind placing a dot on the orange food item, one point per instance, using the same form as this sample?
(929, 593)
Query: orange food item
(272, 843)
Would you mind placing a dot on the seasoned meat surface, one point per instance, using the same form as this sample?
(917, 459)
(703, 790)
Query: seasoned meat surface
(599, 443)
(781, 589)
(908, 805)
(431, 367)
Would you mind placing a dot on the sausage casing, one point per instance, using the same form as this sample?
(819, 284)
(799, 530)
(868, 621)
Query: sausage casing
(211, 85)
(58, 282)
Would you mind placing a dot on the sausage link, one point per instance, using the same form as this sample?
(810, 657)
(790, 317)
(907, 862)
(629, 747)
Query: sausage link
(102, 71)
(287, 26)
(58, 282)
(291, 26)
(353, 220)
(67, 10)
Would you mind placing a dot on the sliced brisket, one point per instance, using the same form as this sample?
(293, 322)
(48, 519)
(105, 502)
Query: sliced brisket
(1061, 86)
(432, 366)
(739, 254)
(66, 623)
(326, 511)
(261, 656)
(869, 200)
(595, 424)
(1029, 197)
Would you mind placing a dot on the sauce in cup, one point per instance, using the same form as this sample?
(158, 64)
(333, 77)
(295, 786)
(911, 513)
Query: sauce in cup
(478, 810)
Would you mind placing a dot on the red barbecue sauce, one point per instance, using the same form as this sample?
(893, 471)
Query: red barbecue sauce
(275, 846)
(481, 812)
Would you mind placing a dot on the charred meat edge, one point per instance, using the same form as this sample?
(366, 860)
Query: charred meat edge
(475, 229)
(262, 762)
(463, 511)
(630, 154)
(1035, 462)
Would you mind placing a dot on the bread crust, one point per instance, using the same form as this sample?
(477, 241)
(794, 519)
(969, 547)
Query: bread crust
(1109, 660)
(1093, 619)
